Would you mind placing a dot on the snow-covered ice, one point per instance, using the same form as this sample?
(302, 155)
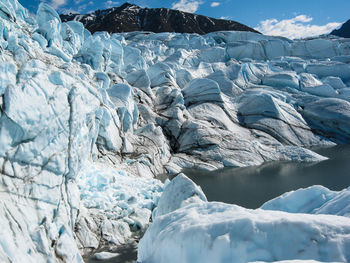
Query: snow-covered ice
(105, 255)
(218, 232)
(203, 231)
(312, 200)
(179, 192)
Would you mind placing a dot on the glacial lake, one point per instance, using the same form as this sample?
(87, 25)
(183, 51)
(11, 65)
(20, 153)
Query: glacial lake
(250, 187)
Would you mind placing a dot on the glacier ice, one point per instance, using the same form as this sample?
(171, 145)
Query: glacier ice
(200, 231)
(330, 115)
(105, 255)
(179, 192)
(312, 200)
(87, 122)
(202, 90)
(218, 232)
(290, 261)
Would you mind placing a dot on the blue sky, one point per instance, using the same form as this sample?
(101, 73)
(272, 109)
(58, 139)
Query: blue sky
(290, 18)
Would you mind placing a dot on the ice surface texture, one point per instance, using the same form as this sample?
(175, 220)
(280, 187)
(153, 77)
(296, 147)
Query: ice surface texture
(218, 232)
(179, 192)
(313, 200)
(86, 121)
(200, 231)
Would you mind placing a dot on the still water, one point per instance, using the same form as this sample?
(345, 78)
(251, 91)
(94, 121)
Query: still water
(252, 186)
(124, 254)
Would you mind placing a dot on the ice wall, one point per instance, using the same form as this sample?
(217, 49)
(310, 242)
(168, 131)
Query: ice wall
(55, 118)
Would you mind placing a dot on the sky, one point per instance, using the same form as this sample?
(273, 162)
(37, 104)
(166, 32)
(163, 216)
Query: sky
(289, 18)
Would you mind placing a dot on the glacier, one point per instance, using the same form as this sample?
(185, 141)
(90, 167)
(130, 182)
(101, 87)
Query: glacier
(88, 121)
(310, 224)
(312, 200)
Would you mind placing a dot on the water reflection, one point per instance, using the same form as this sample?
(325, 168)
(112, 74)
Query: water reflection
(125, 254)
(252, 186)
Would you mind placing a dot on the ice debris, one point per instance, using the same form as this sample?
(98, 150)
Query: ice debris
(312, 200)
(105, 255)
(203, 231)
(179, 192)
(218, 232)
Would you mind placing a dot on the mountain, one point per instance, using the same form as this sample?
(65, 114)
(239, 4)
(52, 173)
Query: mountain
(130, 17)
(344, 31)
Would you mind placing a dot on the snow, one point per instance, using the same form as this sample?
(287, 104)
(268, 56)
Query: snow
(200, 231)
(118, 193)
(179, 192)
(105, 255)
(87, 122)
(218, 232)
(312, 200)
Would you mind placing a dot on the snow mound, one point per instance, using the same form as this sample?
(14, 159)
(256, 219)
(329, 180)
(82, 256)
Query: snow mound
(312, 200)
(201, 231)
(217, 232)
(105, 255)
(179, 192)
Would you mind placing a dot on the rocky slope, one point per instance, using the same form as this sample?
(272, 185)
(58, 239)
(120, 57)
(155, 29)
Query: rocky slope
(87, 121)
(129, 17)
(343, 31)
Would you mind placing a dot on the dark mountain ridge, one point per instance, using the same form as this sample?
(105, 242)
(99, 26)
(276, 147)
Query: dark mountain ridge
(343, 31)
(130, 17)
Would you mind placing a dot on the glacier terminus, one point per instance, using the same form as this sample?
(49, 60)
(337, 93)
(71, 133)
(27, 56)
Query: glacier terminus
(88, 122)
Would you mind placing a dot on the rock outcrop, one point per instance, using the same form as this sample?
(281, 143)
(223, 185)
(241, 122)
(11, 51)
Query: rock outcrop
(343, 31)
(130, 17)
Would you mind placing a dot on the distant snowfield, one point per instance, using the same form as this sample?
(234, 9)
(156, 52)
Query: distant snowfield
(87, 122)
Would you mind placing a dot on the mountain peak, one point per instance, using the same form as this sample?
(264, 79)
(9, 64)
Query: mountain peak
(130, 17)
(343, 31)
(126, 4)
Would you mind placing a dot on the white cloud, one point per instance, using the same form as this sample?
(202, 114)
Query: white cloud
(215, 4)
(110, 3)
(189, 6)
(297, 27)
(81, 7)
(57, 3)
(69, 11)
